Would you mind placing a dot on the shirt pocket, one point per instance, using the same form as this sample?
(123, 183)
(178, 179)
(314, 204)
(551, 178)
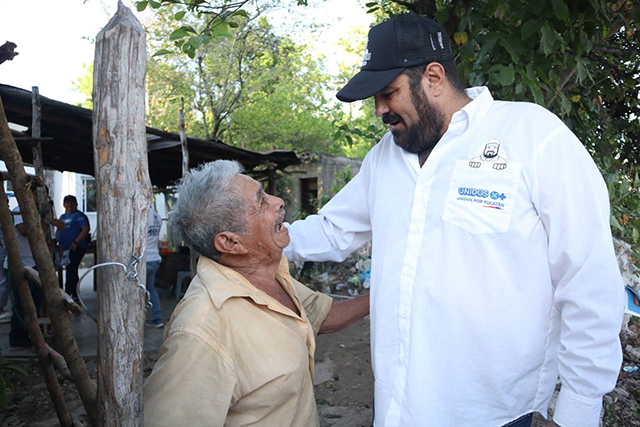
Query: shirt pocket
(481, 200)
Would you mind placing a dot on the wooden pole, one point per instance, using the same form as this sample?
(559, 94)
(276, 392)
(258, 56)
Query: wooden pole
(30, 314)
(183, 141)
(62, 332)
(122, 176)
(193, 255)
(36, 149)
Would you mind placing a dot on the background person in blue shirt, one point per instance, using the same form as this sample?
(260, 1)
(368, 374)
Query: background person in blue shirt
(72, 238)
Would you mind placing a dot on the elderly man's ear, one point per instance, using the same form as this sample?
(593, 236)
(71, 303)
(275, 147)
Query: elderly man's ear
(227, 242)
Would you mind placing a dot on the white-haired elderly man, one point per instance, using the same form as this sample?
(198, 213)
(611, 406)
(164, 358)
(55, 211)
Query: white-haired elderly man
(239, 348)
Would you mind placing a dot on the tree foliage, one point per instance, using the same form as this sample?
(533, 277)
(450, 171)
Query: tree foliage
(251, 88)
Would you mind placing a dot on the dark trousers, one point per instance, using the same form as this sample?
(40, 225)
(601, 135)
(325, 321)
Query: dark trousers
(71, 285)
(18, 334)
(523, 421)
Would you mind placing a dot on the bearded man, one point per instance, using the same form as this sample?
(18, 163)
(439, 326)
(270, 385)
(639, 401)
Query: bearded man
(491, 277)
(239, 348)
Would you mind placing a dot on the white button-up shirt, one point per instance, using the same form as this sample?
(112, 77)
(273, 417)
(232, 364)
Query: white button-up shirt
(493, 270)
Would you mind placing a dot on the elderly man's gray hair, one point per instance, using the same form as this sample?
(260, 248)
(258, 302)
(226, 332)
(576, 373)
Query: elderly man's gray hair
(207, 206)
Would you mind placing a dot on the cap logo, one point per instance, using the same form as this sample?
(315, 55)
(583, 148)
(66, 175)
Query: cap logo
(367, 55)
(433, 46)
(440, 40)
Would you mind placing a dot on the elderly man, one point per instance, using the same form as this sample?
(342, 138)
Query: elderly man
(239, 348)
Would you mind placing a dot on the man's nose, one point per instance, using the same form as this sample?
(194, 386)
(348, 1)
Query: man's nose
(276, 201)
(382, 107)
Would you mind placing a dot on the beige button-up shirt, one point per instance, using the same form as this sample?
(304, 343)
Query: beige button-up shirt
(234, 356)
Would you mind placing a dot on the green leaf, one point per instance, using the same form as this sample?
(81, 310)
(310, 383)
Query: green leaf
(155, 4)
(240, 12)
(221, 30)
(635, 235)
(141, 5)
(548, 39)
(529, 28)
(560, 9)
(581, 70)
(233, 24)
(161, 52)
(178, 16)
(614, 223)
(178, 34)
(188, 29)
(507, 76)
(195, 41)
(442, 16)
(371, 4)
(565, 104)
(510, 48)
(586, 43)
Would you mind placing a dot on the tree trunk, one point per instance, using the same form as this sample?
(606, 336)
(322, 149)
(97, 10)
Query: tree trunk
(63, 334)
(122, 176)
(30, 314)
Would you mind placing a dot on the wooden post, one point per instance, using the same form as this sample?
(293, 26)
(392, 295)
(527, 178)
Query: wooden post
(122, 176)
(183, 141)
(193, 255)
(62, 332)
(36, 149)
(29, 309)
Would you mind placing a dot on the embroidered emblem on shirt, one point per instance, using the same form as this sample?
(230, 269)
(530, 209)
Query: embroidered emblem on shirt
(490, 156)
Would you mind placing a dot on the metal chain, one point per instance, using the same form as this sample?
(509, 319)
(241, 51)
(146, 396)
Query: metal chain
(131, 272)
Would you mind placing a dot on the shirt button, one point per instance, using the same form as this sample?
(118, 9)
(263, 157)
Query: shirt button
(403, 314)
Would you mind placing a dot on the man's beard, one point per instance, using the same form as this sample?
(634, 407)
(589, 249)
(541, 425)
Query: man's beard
(422, 136)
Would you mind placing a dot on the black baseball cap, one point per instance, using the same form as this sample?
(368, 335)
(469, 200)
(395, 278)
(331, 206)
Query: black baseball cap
(404, 41)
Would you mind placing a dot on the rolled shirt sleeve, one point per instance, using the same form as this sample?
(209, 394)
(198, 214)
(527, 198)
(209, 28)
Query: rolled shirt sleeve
(589, 293)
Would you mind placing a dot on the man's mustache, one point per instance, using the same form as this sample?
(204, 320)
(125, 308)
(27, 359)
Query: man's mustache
(390, 118)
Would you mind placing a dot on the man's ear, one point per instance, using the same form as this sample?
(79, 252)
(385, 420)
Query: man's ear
(434, 77)
(228, 242)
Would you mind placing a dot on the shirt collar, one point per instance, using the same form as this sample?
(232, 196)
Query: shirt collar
(481, 101)
(223, 282)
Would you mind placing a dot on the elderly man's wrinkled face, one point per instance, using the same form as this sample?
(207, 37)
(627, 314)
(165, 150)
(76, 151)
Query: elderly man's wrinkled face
(264, 214)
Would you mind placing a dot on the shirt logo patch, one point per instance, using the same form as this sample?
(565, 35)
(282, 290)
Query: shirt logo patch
(489, 156)
(487, 198)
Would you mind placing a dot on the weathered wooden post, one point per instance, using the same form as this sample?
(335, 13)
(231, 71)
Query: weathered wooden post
(183, 140)
(36, 149)
(193, 255)
(122, 175)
